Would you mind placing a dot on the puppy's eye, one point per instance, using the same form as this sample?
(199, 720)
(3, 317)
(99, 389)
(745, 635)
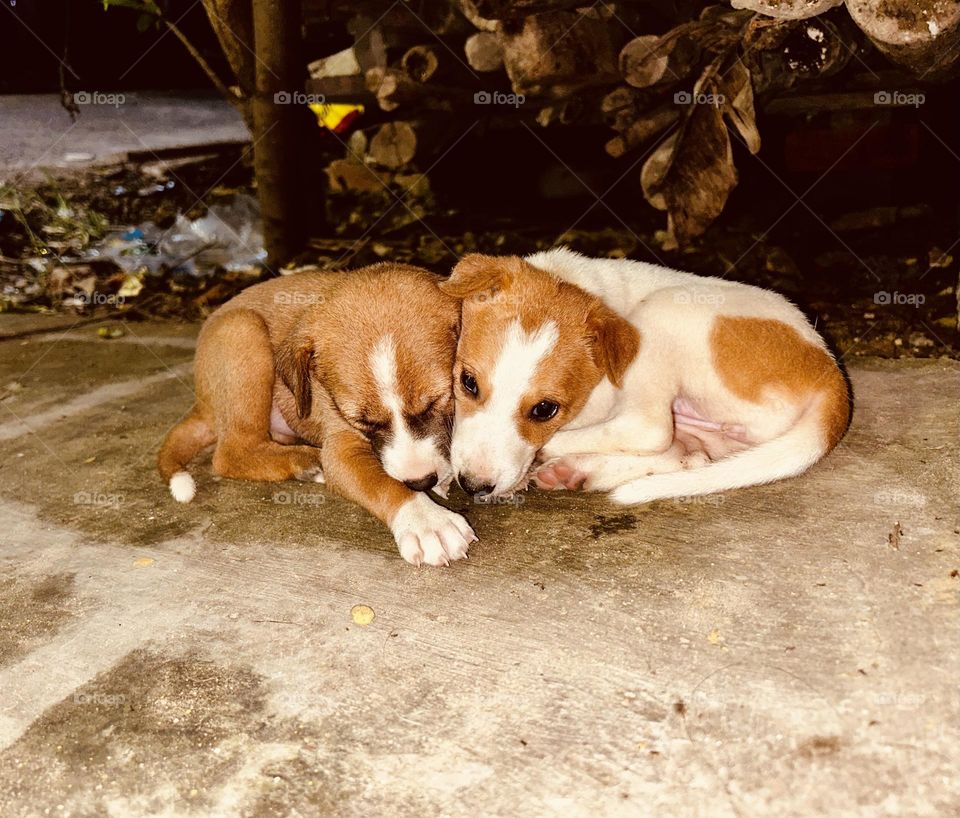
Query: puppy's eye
(469, 383)
(429, 409)
(544, 410)
(371, 427)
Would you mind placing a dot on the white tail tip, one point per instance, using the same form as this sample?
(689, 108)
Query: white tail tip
(182, 487)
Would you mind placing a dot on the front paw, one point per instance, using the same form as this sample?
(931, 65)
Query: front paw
(313, 474)
(428, 533)
(560, 474)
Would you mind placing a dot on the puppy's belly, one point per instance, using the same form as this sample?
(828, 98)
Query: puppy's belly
(280, 430)
(695, 430)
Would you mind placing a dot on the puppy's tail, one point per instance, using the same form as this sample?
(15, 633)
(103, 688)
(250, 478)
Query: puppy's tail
(815, 433)
(184, 442)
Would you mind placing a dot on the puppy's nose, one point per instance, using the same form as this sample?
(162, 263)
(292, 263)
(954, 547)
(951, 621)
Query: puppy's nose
(423, 484)
(473, 486)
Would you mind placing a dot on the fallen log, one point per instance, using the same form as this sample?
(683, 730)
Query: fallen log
(646, 61)
(642, 129)
(787, 9)
(483, 52)
(922, 37)
(393, 145)
(534, 62)
(420, 63)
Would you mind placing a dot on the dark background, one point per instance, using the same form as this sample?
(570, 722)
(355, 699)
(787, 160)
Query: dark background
(104, 48)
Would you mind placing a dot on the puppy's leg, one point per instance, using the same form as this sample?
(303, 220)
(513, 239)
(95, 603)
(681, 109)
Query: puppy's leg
(637, 431)
(603, 472)
(184, 441)
(424, 531)
(236, 375)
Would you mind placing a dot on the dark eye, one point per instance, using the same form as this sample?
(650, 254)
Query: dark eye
(544, 410)
(469, 383)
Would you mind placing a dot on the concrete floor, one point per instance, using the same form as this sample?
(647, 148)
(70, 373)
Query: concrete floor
(764, 653)
(36, 132)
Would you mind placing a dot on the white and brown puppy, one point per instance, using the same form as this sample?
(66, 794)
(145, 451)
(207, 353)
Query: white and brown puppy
(357, 364)
(698, 385)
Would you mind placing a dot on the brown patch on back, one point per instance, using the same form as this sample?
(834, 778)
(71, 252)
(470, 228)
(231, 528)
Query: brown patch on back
(754, 355)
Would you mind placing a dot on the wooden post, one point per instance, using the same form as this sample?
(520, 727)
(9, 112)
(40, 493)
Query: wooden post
(281, 122)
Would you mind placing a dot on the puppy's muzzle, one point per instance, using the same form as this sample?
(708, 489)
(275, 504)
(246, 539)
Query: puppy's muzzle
(423, 484)
(472, 485)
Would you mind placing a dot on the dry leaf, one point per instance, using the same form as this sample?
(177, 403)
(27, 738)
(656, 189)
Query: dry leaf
(737, 92)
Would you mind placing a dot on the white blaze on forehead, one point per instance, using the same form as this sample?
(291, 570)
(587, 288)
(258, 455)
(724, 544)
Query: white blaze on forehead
(404, 457)
(487, 445)
(383, 363)
(520, 356)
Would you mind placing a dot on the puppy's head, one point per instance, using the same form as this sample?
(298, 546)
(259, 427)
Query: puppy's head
(532, 348)
(382, 346)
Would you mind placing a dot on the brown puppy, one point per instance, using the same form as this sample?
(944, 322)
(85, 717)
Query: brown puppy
(358, 364)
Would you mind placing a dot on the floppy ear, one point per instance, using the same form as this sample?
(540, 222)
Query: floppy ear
(294, 365)
(476, 273)
(615, 342)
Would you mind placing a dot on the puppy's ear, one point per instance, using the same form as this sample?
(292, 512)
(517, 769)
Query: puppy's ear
(614, 340)
(294, 366)
(476, 273)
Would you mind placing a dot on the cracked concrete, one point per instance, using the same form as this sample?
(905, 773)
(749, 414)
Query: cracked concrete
(768, 652)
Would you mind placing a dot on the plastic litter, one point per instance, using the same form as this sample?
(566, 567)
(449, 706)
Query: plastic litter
(228, 237)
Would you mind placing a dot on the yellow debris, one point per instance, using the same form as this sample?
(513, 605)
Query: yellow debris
(336, 117)
(362, 614)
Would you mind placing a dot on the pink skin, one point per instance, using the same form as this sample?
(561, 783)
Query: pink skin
(280, 430)
(560, 474)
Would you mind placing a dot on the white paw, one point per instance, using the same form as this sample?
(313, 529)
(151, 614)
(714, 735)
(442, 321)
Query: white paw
(431, 534)
(312, 475)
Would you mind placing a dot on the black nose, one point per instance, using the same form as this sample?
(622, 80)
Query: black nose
(472, 486)
(423, 484)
